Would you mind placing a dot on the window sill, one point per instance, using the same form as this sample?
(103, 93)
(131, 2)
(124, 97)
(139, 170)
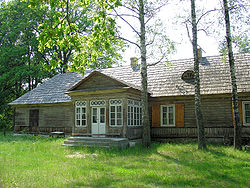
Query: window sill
(116, 125)
(167, 125)
(134, 125)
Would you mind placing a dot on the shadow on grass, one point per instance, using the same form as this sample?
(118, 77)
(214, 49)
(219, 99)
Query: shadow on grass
(25, 137)
(100, 182)
(207, 169)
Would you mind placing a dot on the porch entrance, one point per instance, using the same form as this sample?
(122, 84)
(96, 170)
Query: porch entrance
(98, 120)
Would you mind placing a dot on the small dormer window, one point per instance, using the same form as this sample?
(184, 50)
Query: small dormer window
(188, 75)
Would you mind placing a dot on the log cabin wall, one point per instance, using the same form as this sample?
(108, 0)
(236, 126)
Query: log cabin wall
(217, 112)
(51, 117)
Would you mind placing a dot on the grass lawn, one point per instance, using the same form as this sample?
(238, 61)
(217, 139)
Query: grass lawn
(43, 162)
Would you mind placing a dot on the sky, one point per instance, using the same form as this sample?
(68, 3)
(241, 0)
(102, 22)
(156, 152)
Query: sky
(177, 31)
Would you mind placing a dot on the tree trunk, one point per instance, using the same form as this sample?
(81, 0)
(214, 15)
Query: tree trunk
(146, 139)
(237, 126)
(198, 111)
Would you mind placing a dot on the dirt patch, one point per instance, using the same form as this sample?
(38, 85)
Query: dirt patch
(81, 155)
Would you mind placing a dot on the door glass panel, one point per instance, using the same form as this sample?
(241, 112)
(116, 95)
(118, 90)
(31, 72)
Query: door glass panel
(94, 115)
(102, 115)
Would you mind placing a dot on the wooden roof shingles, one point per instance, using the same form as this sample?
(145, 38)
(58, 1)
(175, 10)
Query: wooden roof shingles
(163, 80)
(51, 91)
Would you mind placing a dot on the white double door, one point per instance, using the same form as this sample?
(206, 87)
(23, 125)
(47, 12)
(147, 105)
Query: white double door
(98, 120)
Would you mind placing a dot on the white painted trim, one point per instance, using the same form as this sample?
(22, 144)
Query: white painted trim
(172, 105)
(132, 103)
(81, 104)
(244, 113)
(98, 123)
(115, 105)
(101, 103)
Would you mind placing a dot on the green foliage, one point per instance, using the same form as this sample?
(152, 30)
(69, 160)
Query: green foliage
(20, 61)
(33, 161)
(81, 30)
(241, 44)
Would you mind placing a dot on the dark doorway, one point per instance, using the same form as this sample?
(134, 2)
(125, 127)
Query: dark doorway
(34, 118)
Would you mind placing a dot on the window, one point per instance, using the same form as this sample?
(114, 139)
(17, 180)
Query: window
(167, 115)
(134, 113)
(81, 114)
(116, 113)
(246, 112)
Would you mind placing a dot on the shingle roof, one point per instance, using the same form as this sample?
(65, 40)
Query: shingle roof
(163, 80)
(51, 91)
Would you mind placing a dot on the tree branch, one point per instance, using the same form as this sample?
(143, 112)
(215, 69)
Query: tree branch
(132, 9)
(162, 57)
(128, 24)
(204, 14)
(131, 42)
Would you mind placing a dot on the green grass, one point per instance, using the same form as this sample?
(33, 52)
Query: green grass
(43, 162)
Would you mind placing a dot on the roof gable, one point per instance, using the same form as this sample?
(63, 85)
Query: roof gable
(99, 81)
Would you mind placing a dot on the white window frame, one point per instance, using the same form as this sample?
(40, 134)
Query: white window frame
(81, 105)
(116, 103)
(168, 125)
(244, 113)
(134, 105)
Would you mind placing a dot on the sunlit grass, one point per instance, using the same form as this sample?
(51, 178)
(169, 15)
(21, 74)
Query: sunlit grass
(43, 162)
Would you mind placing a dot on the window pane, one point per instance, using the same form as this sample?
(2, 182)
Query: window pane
(112, 115)
(83, 110)
(112, 109)
(171, 119)
(83, 122)
(170, 109)
(164, 109)
(95, 111)
(112, 122)
(164, 115)
(165, 122)
(77, 110)
(247, 106)
(119, 121)
(119, 115)
(78, 122)
(102, 111)
(83, 116)
(119, 108)
(248, 113)
(248, 120)
(102, 119)
(94, 119)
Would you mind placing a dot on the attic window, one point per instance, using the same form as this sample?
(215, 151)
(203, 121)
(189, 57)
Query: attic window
(188, 75)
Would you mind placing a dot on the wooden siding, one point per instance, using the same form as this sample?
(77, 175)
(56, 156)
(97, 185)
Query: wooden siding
(51, 118)
(99, 82)
(217, 112)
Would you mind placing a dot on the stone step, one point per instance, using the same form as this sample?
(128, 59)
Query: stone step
(89, 143)
(97, 142)
(85, 145)
(97, 138)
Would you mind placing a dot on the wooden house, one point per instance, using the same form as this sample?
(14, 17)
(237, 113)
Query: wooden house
(108, 101)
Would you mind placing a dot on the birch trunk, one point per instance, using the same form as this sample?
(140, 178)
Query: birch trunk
(146, 139)
(237, 126)
(198, 111)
